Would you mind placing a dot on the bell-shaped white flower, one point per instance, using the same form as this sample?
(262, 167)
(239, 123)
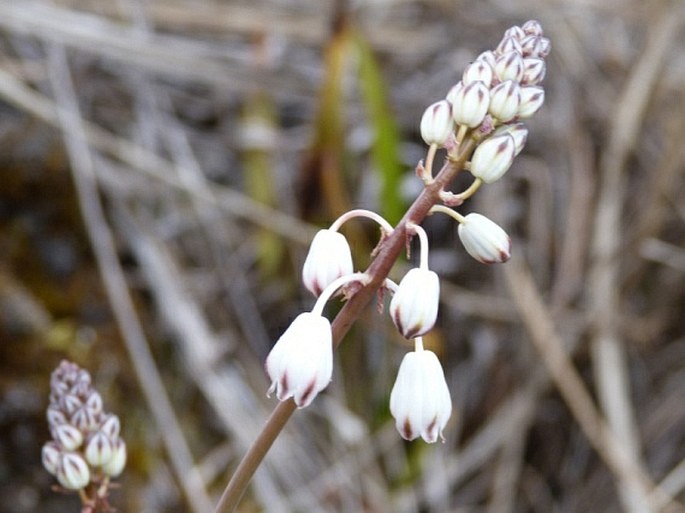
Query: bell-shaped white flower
(484, 240)
(328, 259)
(493, 157)
(414, 307)
(420, 399)
(436, 123)
(300, 365)
(69, 437)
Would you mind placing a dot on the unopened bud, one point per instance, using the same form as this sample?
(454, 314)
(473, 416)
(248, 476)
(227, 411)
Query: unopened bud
(544, 47)
(111, 426)
(532, 27)
(518, 131)
(493, 158)
(470, 104)
(484, 240)
(533, 71)
(508, 44)
(55, 416)
(489, 57)
(436, 123)
(532, 98)
(99, 449)
(505, 99)
(50, 455)
(530, 46)
(478, 71)
(94, 401)
(85, 419)
(67, 436)
(117, 462)
(516, 32)
(70, 403)
(509, 66)
(73, 472)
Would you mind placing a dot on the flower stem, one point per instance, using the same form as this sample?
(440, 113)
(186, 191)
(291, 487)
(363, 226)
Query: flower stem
(389, 250)
(423, 239)
(335, 285)
(450, 212)
(360, 212)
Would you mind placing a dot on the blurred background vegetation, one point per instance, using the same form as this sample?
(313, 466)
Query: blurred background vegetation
(164, 163)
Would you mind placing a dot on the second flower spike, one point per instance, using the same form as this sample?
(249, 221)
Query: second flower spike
(414, 307)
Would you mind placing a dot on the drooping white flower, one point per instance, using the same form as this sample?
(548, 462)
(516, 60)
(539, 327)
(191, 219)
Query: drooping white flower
(420, 399)
(414, 307)
(300, 365)
(484, 240)
(328, 259)
(50, 456)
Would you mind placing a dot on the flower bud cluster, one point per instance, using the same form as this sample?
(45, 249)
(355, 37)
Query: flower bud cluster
(85, 446)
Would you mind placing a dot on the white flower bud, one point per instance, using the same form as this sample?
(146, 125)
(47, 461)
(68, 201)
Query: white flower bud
(328, 259)
(544, 47)
(55, 416)
(67, 436)
(69, 403)
(454, 90)
(50, 455)
(111, 426)
(484, 240)
(505, 99)
(84, 419)
(493, 157)
(532, 98)
(94, 401)
(420, 399)
(478, 71)
(488, 57)
(300, 364)
(532, 27)
(99, 449)
(436, 123)
(533, 71)
(414, 307)
(73, 472)
(470, 104)
(518, 131)
(117, 462)
(508, 44)
(516, 32)
(509, 66)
